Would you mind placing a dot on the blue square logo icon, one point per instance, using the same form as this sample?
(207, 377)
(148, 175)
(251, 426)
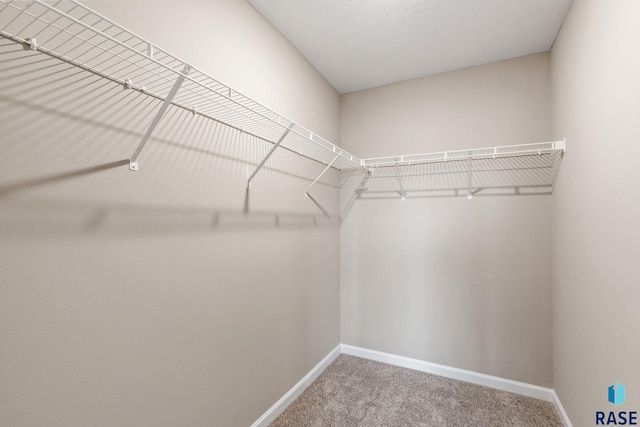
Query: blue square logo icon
(616, 394)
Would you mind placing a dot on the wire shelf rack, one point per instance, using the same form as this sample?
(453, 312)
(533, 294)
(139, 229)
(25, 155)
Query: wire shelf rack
(72, 32)
(516, 169)
(534, 149)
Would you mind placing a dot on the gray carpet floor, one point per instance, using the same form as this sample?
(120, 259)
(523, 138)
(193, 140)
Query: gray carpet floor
(359, 392)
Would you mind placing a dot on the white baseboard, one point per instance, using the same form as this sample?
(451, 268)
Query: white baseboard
(524, 389)
(563, 414)
(530, 390)
(286, 400)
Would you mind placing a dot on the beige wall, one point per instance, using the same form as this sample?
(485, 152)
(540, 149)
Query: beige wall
(596, 206)
(151, 298)
(448, 280)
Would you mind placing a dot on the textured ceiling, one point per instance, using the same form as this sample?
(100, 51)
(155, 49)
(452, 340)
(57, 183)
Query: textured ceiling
(361, 44)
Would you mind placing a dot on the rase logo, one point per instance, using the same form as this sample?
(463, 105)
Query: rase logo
(616, 396)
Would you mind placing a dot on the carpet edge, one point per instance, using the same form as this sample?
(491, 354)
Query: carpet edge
(291, 395)
(504, 384)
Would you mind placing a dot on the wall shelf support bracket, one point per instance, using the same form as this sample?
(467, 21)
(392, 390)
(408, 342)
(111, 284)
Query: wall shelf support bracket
(273, 149)
(133, 161)
(469, 193)
(402, 192)
(306, 192)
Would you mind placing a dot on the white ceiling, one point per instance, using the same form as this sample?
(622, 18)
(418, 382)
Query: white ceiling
(367, 43)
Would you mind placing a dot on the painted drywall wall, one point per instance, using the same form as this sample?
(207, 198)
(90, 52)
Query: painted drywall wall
(596, 206)
(464, 283)
(169, 296)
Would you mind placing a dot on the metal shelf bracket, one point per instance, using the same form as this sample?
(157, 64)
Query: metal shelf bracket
(273, 149)
(470, 193)
(402, 192)
(306, 192)
(133, 161)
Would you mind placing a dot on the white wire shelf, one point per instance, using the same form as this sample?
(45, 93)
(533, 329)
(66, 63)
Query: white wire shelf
(73, 33)
(534, 149)
(507, 170)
